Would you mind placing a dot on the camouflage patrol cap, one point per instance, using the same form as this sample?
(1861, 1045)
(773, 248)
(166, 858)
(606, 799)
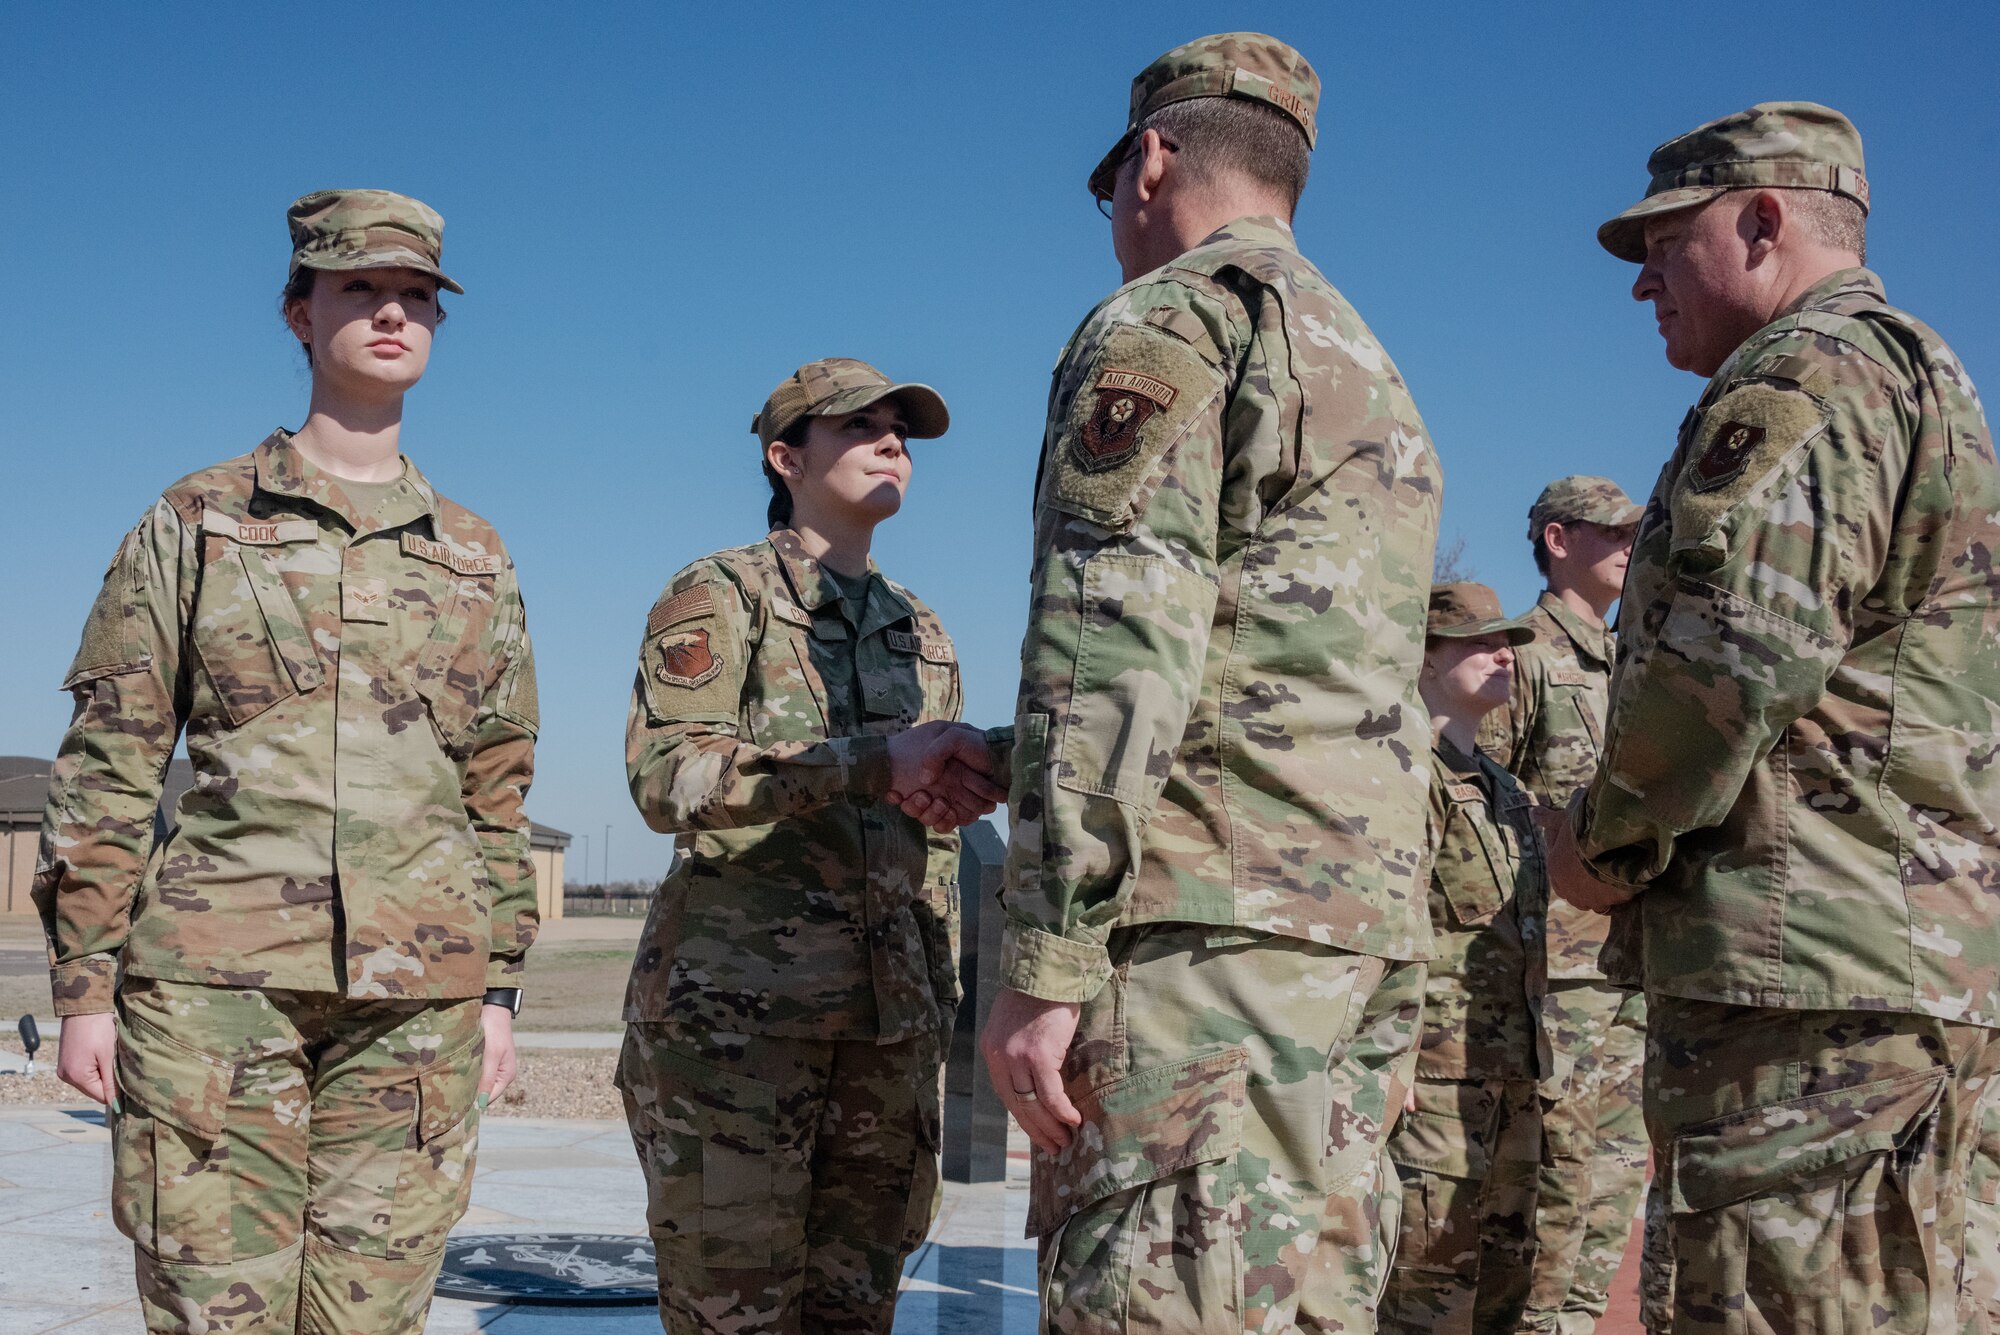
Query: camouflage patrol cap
(1465, 610)
(1796, 145)
(1594, 500)
(1229, 64)
(367, 229)
(841, 385)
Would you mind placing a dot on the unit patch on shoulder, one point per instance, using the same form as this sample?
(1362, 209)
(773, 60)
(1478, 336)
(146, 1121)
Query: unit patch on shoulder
(687, 658)
(686, 605)
(1128, 413)
(1728, 450)
(1124, 400)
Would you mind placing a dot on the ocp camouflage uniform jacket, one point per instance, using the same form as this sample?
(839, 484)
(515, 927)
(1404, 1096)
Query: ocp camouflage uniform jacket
(1800, 764)
(1488, 899)
(1549, 735)
(1218, 720)
(804, 906)
(358, 695)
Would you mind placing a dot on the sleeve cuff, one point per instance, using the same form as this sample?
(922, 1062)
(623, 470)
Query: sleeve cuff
(864, 765)
(1000, 741)
(504, 971)
(88, 986)
(1602, 862)
(1053, 968)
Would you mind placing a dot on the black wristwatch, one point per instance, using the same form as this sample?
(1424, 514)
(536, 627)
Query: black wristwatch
(510, 997)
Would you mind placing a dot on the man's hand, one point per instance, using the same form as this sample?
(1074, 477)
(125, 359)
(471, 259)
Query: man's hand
(1024, 1044)
(1569, 874)
(497, 1069)
(87, 1058)
(941, 774)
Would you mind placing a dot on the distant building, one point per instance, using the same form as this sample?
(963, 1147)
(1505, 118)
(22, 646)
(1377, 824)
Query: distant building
(24, 791)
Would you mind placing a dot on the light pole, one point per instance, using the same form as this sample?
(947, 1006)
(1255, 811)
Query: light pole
(607, 856)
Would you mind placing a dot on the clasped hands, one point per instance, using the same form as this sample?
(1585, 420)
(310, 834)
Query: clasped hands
(942, 773)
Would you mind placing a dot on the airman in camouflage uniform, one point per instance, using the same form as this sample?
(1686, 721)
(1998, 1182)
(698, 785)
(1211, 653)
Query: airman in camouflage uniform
(1797, 785)
(1469, 1146)
(1549, 735)
(1217, 801)
(799, 969)
(299, 1044)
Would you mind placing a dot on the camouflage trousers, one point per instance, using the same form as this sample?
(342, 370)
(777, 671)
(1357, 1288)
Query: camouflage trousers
(1469, 1155)
(1594, 1160)
(1230, 1174)
(787, 1180)
(290, 1161)
(1813, 1168)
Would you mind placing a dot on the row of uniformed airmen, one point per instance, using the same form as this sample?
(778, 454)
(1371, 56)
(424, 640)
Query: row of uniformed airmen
(1298, 1046)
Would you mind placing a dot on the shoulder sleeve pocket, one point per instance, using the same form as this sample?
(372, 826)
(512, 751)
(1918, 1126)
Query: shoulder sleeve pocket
(113, 638)
(1141, 394)
(692, 663)
(1745, 447)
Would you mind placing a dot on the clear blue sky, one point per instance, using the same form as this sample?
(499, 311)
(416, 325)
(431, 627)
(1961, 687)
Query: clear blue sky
(659, 210)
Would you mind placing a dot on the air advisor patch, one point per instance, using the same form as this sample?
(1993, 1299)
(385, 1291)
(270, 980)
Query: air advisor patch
(1124, 400)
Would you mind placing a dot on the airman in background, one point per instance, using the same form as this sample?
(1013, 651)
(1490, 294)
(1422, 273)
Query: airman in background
(1550, 734)
(1215, 888)
(1468, 1148)
(1797, 793)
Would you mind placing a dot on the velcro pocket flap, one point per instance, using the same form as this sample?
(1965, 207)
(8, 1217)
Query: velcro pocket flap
(1141, 1128)
(446, 1088)
(1747, 1154)
(1449, 1130)
(172, 1083)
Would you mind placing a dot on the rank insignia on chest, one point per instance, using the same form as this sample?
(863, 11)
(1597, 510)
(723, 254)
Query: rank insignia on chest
(365, 600)
(1124, 400)
(686, 659)
(1728, 450)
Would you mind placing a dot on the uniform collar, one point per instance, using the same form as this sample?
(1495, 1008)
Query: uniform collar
(1456, 761)
(1260, 230)
(283, 471)
(814, 588)
(1592, 641)
(1841, 283)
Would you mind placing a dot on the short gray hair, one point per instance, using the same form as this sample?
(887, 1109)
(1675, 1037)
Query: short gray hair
(1220, 135)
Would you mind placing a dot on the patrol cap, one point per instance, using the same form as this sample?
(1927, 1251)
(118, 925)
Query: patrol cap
(1594, 500)
(1228, 64)
(367, 229)
(841, 385)
(1798, 145)
(1465, 610)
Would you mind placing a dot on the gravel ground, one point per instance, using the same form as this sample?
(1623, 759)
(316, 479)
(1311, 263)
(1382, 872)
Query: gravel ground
(552, 1083)
(42, 1086)
(560, 1082)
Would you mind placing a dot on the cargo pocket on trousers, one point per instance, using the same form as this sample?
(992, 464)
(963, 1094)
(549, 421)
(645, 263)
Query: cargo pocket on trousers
(434, 1172)
(1778, 1211)
(170, 1188)
(1443, 1151)
(711, 1162)
(1145, 1195)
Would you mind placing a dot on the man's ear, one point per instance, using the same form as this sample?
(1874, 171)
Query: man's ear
(1763, 224)
(1555, 539)
(1154, 164)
